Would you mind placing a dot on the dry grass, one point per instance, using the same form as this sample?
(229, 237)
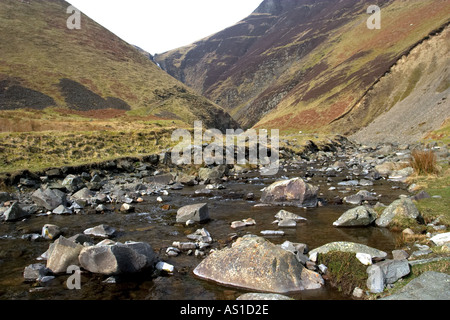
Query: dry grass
(424, 162)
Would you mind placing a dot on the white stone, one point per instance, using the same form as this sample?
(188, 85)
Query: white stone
(323, 268)
(364, 258)
(272, 233)
(163, 266)
(313, 256)
(441, 239)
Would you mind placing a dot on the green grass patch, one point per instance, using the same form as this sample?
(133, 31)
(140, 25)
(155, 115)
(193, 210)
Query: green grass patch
(345, 271)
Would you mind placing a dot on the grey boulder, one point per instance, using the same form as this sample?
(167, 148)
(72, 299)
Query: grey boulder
(15, 212)
(257, 264)
(49, 199)
(356, 217)
(62, 254)
(196, 212)
(116, 259)
(402, 207)
(386, 272)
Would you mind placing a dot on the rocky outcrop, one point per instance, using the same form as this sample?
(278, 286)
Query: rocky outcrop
(256, 264)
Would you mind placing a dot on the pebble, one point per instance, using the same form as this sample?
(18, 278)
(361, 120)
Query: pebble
(163, 266)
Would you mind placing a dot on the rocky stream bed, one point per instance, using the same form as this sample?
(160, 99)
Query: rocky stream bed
(145, 229)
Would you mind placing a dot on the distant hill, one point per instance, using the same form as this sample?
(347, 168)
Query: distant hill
(44, 64)
(306, 64)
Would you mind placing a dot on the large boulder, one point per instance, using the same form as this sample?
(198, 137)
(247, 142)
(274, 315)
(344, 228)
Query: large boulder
(349, 247)
(293, 192)
(63, 253)
(356, 217)
(402, 207)
(196, 212)
(116, 259)
(15, 212)
(257, 264)
(49, 199)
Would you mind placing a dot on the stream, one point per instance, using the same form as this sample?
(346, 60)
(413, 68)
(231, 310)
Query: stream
(151, 223)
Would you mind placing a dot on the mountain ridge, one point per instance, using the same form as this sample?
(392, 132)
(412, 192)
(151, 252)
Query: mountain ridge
(304, 68)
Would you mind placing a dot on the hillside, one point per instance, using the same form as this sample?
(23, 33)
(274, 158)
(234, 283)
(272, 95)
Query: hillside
(44, 65)
(411, 100)
(303, 64)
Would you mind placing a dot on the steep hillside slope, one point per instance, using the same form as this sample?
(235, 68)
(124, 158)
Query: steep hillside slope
(301, 64)
(44, 64)
(412, 100)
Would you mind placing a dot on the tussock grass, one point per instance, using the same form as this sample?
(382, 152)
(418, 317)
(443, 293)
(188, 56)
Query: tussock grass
(424, 162)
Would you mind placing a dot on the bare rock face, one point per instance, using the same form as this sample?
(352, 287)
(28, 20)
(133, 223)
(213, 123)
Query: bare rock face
(257, 264)
(295, 192)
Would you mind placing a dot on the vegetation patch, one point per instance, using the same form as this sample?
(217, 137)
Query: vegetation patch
(424, 162)
(345, 272)
(40, 150)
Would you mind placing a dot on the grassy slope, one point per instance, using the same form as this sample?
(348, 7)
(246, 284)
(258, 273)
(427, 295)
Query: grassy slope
(38, 50)
(403, 24)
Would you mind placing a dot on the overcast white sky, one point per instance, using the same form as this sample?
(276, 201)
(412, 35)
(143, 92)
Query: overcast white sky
(161, 25)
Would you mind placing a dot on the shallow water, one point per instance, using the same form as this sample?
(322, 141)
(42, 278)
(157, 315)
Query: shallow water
(152, 224)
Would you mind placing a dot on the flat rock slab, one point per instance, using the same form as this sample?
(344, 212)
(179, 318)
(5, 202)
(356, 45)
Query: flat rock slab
(429, 286)
(349, 247)
(257, 264)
